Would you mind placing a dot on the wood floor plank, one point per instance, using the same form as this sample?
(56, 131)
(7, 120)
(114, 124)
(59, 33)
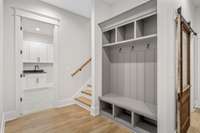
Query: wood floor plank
(71, 119)
(195, 122)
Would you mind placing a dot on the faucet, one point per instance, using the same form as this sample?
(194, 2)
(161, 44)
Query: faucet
(37, 67)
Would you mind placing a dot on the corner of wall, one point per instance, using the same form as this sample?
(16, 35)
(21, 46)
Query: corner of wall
(9, 116)
(95, 111)
(2, 126)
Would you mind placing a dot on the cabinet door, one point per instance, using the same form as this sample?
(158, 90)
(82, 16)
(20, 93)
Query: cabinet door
(34, 53)
(35, 80)
(31, 81)
(42, 79)
(26, 51)
(50, 53)
(42, 49)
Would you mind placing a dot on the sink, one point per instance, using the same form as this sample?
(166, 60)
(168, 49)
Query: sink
(34, 71)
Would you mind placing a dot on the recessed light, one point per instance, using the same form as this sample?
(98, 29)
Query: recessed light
(37, 29)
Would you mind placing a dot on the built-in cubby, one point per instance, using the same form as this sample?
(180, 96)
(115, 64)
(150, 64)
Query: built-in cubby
(146, 26)
(129, 68)
(143, 29)
(123, 115)
(125, 32)
(109, 36)
(106, 108)
(143, 124)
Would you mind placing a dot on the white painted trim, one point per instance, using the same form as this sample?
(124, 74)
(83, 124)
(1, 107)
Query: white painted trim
(166, 66)
(95, 111)
(19, 13)
(18, 62)
(2, 126)
(130, 20)
(56, 62)
(11, 115)
(192, 75)
(93, 24)
(36, 16)
(64, 103)
(197, 72)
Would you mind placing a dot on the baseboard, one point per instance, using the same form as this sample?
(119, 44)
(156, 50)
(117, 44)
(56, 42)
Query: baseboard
(11, 115)
(64, 103)
(95, 111)
(2, 126)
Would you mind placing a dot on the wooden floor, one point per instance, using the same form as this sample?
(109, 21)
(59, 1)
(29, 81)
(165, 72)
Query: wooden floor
(72, 119)
(195, 122)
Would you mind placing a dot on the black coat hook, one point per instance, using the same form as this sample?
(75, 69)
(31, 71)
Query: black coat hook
(120, 49)
(148, 46)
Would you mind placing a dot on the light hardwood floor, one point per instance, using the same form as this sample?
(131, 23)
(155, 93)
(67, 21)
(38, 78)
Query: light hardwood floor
(195, 122)
(72, 119)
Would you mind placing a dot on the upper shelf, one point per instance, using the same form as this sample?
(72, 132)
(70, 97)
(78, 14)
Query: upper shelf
(144, 39)
(143, 29)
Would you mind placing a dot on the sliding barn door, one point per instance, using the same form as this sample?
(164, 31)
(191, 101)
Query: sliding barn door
(184, 81)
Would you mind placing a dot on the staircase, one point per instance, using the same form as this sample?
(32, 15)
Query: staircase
(84, 99)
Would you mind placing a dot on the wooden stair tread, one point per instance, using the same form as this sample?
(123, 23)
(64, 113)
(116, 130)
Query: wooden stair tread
(87, 92)
(84, 100)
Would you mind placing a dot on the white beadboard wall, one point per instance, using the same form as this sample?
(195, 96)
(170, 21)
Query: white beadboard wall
(131, 72)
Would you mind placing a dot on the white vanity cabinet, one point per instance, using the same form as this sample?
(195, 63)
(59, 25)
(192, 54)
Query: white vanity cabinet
(37, 52)
(34, 81)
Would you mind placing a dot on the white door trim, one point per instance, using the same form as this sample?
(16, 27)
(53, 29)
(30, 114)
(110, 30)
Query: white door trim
(36, 16)
(18, 15)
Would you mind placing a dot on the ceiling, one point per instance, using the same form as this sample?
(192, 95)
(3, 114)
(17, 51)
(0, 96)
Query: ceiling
(196, 2)
(80, 7)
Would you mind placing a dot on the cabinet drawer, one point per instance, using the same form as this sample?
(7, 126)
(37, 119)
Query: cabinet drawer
(35, 80)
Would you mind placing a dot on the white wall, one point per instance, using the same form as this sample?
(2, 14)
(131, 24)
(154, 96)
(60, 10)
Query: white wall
(197, 19)
(166, 60)
(73, 49)
(197, 58)
(1, 62)
(101, 12)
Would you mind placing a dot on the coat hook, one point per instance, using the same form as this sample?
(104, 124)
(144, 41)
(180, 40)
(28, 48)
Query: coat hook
(132, 47)
(148, 46)
(120, 49)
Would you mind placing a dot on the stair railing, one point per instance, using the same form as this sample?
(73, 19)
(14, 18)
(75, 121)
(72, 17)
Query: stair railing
(81, 67)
